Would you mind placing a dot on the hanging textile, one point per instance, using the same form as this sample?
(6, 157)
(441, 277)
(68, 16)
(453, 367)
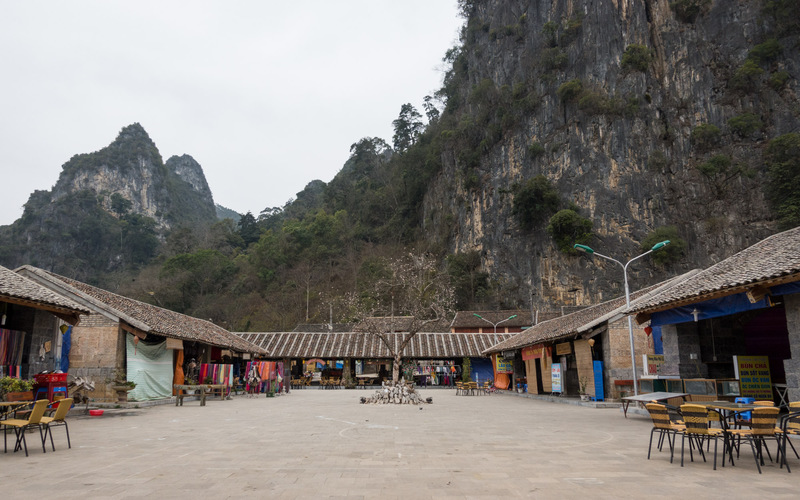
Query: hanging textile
(216, 373)
(12, 344)
(66, 344)
(150, 366)
(179, 378)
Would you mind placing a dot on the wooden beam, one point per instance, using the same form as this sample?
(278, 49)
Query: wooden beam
(65, 313)
(133, 330)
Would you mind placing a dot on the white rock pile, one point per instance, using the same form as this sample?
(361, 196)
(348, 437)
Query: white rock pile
(401, 394)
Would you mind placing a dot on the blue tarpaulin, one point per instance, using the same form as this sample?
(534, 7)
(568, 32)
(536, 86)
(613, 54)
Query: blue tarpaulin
(723, 306)
(481, 369)
(66, 344)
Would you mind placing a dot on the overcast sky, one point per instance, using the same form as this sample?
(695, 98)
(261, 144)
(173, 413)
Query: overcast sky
(265, 95)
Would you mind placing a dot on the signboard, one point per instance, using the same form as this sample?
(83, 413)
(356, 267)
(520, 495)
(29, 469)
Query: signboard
(533, 352)
(504, 365)
(174, 344)
(754, 377)
(562, 349)
(652, 363)
(555, 374)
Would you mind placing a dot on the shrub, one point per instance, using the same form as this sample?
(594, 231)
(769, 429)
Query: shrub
(716, 165)
(550, 32)
(571, 29)
(657, 161)
(569, 91)
(778, 79)
(705, 136)
(670, 253)
(765, 52)
(747, 76)
(536, 150)
(688, 10)
(745, 124)
(636, 57)
(783, 188)
(534, 201)
(594, 103)
(567, 228)
(554, 58)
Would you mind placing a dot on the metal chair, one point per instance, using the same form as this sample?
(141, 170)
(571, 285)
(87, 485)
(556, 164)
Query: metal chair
(665, 428)
(56, 420)
(20, 426)
(695, 418)
(763, 427)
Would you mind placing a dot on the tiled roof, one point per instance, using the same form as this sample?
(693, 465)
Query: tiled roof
(362, 345)
(580, 321)
(399, 324)
(150, 318)
(771, 261)
(19, 289)
(467, 319)
(323, 327)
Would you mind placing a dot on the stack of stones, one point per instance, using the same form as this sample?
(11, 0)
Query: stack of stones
(402, 393)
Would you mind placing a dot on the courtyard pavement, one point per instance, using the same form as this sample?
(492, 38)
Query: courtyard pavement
(324, 444)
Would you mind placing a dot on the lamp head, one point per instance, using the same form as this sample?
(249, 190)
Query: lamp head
(477, 315)
(584, 248)
(660, 244)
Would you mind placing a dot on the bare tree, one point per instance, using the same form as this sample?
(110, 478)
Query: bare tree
(411, 294)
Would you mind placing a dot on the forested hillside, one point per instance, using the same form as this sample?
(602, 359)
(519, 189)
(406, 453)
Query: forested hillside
(614, 123)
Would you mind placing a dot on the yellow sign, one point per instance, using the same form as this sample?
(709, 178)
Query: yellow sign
(754, 377)
(562, 349)
(504, 365)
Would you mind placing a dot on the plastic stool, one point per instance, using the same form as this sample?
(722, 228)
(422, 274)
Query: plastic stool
(748, 401)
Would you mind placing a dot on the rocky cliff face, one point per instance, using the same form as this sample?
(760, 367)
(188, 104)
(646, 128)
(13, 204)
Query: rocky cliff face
(109, 209)
(621, 141)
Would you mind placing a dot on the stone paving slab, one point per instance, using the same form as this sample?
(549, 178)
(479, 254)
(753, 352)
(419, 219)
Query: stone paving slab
(324, 444)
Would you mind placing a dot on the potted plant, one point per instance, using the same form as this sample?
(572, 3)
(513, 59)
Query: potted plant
(16, 389)
(584, 395)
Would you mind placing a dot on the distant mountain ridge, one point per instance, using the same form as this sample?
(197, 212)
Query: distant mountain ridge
(124, 193)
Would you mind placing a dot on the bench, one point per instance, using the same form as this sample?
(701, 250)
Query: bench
(204, 391)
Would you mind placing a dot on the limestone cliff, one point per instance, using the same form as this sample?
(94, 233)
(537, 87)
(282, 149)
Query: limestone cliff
(109, 209)
(608, 99)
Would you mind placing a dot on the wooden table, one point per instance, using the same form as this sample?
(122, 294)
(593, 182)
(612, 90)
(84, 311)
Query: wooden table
(648, 398)
(205, 390)
(8, 407)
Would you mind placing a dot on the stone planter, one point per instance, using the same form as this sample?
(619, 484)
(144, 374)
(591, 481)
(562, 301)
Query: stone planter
(584, 397)
(122, 392)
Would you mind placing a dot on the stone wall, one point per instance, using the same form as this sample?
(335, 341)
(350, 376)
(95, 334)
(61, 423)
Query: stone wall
(617, 355)
(97, 350)
(792, 366)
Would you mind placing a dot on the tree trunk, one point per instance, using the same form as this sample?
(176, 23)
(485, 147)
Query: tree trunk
(396, 368)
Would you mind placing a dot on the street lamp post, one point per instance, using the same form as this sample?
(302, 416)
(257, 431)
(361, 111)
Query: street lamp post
(657, 246)
(494, 324)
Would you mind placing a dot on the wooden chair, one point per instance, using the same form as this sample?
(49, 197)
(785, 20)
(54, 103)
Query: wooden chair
(665, 428)
(695, 417)
(763, 427)
(57, 420)
(20, 426)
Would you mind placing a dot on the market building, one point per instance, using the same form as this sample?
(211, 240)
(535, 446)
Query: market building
(434, 358)
(586, 352)
(733, 329)
(122, 338)
(30, 319)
